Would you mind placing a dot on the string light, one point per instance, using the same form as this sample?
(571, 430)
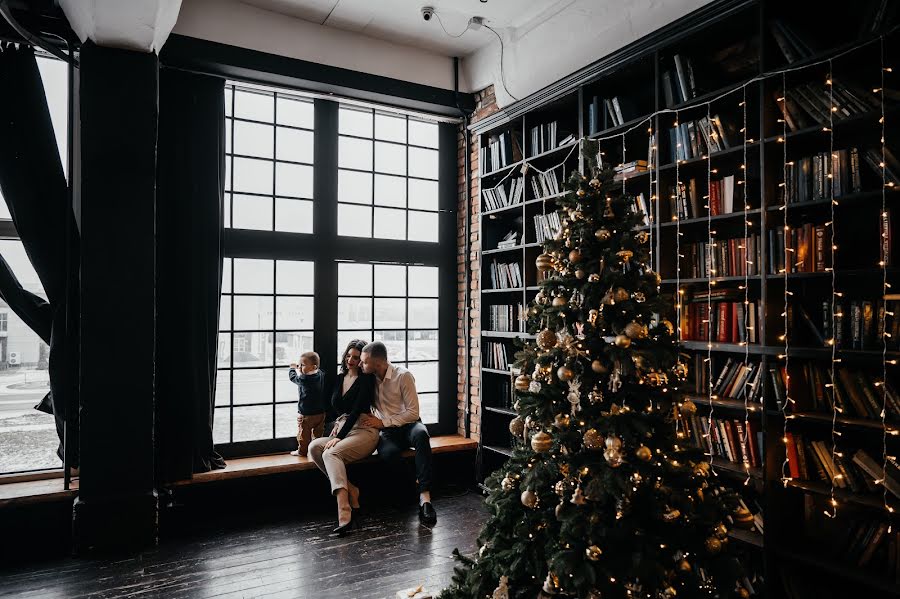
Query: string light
(749, 386)
(679, 292)
(654, 166)
(785, 196)
(830, 179)
(709, 281)
(882, 222)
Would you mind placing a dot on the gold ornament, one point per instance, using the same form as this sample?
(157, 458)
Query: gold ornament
(529, 498)
(671, 515)
(684, 566)
(522, 382)
(656, 379)
(643, 453)
(613, 457)
(681, 371)
(580, 193)
(593, 553)
(593, 439)
(670, 328)
(721, 531)
(580, 274)
(613, 442)
(560, 487)
(564, 470)
(669, 593)
(575, 256)
(578, 497)
(688, 408)
(551, 584)
(608, 211)
(639, 297)
(625, 255)
(561, 421)
(623, 341)
(598, 367)
(507, 484)
(544, 262)
(559, 301)
(541, 442)
(595, 182)
(713, 545)
(517, 427)
(593, 277)
(642, 237)
(564, 373)
(546, 339)
(595, 396)
(636, 330)
(602, 234)
(621, 294)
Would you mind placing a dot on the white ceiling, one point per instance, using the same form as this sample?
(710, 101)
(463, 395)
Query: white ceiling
(401, 22)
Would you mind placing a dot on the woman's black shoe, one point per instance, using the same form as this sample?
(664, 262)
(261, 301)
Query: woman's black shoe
(427, 514)
(343, 529)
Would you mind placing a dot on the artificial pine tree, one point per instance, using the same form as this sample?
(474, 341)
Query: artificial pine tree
(601, 498)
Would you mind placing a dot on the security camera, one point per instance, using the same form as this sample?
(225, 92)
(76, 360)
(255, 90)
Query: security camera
(427, 12)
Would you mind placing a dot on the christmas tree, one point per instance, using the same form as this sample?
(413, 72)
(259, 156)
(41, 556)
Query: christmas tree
(601, 498)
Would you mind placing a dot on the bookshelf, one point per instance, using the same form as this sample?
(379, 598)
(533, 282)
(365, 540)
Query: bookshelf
(728, 45)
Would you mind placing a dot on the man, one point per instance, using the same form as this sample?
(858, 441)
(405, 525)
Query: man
(397, 418)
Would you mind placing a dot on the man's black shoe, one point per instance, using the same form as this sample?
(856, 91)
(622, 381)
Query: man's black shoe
(427, 514)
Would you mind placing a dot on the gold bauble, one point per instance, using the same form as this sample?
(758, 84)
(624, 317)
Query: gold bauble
(621, 294)
(743, 593)
(561, 421)
(713, 545)
(598, 367)
(529, 498)
(575, 256)
(541, 442)
(564, 373)
(642, 237)
(625, 255)
(580, 274)
(580, 193)
(636, 330)
(507, 484)
(721, 531)
(544, 262)
(643, 453)
(517, 427)
(680, 371)
(671, 515)
(602, 234)
(522, 382)
(688, 408)
(670, 328)
(560, 487)
(684, 566)
(593, 439)
(613, 457)
(559, 301)
(623, 341)
(533, 310)
(614, 442)
(546, 339)
(593, 553)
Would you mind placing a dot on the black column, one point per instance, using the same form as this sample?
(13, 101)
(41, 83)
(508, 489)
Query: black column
(117, 503)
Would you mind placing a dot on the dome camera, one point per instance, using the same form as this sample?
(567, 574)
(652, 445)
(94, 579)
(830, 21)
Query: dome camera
(427, 12)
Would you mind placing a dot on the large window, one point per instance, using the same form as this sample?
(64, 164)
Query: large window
(28, 439)
(387, 176)
(397, 305)
(269, 160)
(358, 191)
(265, 323)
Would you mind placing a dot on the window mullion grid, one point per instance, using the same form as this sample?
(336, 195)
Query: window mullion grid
(274, 262)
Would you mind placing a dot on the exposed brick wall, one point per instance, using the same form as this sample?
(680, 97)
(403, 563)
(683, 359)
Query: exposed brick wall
(486, 104)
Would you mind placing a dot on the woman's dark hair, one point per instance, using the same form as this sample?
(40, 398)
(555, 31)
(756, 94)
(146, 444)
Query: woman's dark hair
(357, 344)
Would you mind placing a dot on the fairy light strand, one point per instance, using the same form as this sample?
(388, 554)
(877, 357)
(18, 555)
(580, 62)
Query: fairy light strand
(712, 272)
(749, 386)
(830, 179)
(882, 222)
(785, 196)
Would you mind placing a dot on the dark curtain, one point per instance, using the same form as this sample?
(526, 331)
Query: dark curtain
(190, 184)
(33, 183)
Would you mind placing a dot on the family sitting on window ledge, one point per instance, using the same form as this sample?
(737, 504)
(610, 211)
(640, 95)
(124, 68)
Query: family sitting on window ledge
(367, 382)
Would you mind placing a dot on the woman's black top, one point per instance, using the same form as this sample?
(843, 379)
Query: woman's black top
(357, 400)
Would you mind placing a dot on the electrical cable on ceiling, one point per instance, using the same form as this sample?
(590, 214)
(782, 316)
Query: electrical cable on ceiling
(330, 12)
(445, 29)
(502, 77)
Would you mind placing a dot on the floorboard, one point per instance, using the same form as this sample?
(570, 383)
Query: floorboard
(294, 557)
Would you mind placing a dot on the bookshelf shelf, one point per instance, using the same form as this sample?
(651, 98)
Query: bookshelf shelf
(501, 450)
(746, 24)
(504, 411)
(852, 574)
(871, 501)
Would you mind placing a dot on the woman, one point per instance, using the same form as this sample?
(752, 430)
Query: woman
(354, 393)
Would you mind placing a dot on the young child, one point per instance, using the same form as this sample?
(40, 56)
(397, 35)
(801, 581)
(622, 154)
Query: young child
(311, 405)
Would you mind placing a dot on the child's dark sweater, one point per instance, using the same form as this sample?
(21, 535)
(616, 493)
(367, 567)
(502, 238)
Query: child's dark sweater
(311, 390)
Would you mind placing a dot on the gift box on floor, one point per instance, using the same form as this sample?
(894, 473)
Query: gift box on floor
(415, 593)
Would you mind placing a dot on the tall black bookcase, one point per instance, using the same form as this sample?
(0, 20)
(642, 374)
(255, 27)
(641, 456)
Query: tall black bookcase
(724, 54)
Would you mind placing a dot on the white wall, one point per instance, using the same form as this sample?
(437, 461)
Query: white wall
(231, 22)
(585, 31)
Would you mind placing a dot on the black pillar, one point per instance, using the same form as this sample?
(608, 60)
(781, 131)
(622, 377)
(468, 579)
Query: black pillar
(117, 502)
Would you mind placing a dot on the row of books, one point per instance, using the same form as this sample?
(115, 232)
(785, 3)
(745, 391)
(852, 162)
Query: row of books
(502, 149)
(735, 257)
(810, 104)
(495, 355)
(734, 380)
(693, 139)
(809, 248)
(679, 84)
(506, 318)
(545, 184)
(501, 197)
(510, 240)
(720, 315)
(546, 226)
(808, 178)
(629, 169)
(548, 137)
(604, 113)
(725, 196)
(727, 438)
(642, 207)
(506, 275)
(870, 544)
(502, 395)
(858, 323)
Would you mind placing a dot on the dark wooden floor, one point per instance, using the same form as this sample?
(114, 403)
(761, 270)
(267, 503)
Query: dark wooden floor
(294, 557)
